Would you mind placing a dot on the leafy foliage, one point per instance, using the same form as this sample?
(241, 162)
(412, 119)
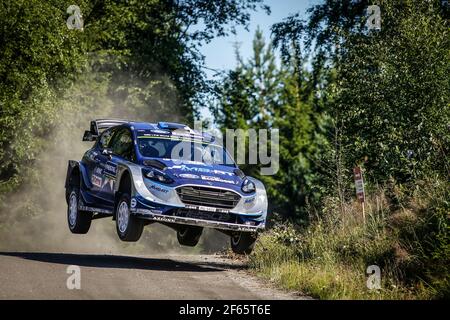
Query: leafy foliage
(147, 52)
(38, 59)
(329, 258)
(259, 94)
(386, 94)
(386, 91)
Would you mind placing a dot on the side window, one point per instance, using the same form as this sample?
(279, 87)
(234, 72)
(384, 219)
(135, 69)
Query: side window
(122, 144)
(105, 138)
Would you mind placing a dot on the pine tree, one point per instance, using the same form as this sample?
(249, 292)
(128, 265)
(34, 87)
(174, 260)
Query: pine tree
(259, 94)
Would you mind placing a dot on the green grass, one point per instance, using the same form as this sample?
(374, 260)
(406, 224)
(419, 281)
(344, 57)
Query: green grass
(321, 277)
(328, 259)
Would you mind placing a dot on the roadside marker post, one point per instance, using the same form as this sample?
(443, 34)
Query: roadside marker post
(359, 186)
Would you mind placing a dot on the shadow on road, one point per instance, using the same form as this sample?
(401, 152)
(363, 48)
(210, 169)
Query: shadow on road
(120, 262)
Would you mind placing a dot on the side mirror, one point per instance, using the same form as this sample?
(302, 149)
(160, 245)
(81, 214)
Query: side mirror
(89, 136)
(107, 152)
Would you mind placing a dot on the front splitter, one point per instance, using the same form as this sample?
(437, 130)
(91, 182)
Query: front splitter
(148, 215)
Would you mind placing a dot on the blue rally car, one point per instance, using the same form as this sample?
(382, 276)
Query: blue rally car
(132, 175)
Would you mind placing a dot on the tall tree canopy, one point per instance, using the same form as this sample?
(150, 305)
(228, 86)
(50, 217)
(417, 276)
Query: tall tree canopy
(386, 90)
(146, 53)
(262, 94)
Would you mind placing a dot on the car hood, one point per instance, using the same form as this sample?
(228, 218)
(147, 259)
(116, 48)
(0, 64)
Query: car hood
(192, 172)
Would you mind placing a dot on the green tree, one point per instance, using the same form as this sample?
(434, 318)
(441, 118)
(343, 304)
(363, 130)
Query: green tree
(38, 59)
(249, 95)
(386, 91)
(259, 94)
(297, 186)
(145, 53)
(394, 94)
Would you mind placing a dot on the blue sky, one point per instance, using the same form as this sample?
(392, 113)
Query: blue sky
(219, 53)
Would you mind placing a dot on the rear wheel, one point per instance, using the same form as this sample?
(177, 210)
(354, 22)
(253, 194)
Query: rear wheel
(129, 228)
(79, 221)
(189, 235)
(243, 242)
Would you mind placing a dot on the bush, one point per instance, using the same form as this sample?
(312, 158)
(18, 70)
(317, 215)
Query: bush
(328, 259)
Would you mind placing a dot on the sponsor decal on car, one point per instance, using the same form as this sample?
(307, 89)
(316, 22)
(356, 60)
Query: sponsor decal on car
(96, 181)
(158, 188)
(204, 208)
(217, 179)
(201, 170)
(165, 132)
(249, 200)
(110, 169)
(188, 176)
(108, 182)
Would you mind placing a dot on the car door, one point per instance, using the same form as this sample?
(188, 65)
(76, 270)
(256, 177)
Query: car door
(122, 149)
(95, 162)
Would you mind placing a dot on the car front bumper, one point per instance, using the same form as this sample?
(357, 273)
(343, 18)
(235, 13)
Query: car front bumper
(238, 227)
(161, 203)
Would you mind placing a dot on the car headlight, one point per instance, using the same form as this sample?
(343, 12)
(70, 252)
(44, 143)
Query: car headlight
(156, 175)
(248, 186)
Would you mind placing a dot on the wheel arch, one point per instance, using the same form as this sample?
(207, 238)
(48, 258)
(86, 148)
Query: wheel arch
(124, 184)
(76, 176)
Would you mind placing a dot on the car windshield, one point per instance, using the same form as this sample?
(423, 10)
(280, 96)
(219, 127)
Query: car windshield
(184, 150)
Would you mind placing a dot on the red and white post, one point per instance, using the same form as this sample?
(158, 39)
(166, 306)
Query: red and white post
(359, 186)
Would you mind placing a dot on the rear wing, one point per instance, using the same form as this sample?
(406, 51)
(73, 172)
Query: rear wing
(97, 126)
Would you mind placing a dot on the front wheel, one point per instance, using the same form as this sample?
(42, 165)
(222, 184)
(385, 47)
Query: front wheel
(243, 242)
(189, 235)
(79, 221)
(129, 228)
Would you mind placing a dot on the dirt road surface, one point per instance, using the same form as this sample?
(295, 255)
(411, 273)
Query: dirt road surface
(36, 275)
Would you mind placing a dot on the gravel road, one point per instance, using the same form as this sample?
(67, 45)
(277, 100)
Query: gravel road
(38, 275)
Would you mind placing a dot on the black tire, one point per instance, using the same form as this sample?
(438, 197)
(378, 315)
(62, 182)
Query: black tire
(79, 221)
(131, 230)
(189, 235)
(243, 242)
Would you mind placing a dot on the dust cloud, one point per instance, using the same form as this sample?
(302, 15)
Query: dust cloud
(35, 218)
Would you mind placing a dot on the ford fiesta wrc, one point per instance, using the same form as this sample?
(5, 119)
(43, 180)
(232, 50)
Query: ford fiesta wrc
(141, 173)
